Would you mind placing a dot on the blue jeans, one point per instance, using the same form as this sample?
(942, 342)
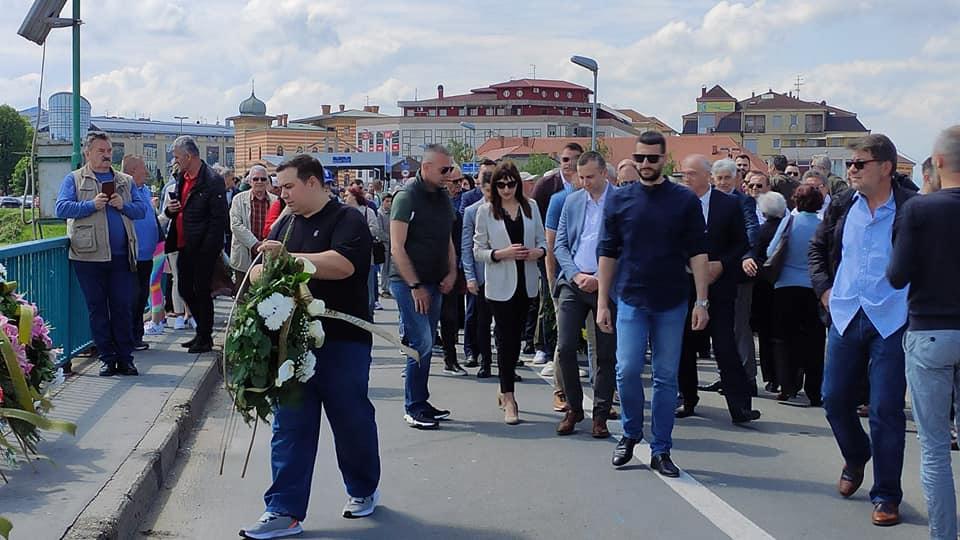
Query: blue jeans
(859, 356)
(419, 330)
(109, 289)
(470, 327)
(665, 332)
(933, 370)
(339, 386)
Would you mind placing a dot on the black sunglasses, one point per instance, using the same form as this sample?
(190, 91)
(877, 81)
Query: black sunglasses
(755, 186)
(259, 179)
(445, 170)
(859, 164)
(457, 179)
(568, 159)
(509, 185)
(650, 158)
(793, 174)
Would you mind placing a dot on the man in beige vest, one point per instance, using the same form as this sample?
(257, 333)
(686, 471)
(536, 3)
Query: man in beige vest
(100, 205)
(248, 212)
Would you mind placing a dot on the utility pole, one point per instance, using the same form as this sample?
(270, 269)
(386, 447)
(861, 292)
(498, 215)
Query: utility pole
(534, 68)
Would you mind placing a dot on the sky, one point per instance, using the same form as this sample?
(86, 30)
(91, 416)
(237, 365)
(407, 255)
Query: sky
(896, 64)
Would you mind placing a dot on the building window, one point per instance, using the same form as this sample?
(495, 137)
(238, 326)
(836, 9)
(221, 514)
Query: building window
(552, 130)
(569, 95)
(750, 144)
(229, 156)
(754, 123)
(150, 157)
(556, 95)
(409, 112)
(518, 111)
(519, 93)
(506, 93)
(279, 150)
(117, 152)
(443, 112)
(259, 152)
(706, 123)
(776, 143)
(794, 122)
(432, 112)
(813, 123)
(473, 111)
(777, 122)
(489, 111)
(249, 154)
(536, 90)
(530, 132)
(462, 111)
(213, 155)
(501, 111)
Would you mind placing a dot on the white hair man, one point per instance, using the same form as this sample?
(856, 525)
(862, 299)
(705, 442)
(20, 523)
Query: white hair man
(248, 213)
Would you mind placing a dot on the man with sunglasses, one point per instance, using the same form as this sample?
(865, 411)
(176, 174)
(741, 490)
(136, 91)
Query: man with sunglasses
(793, 171)
(424, 267)
(248, 213)
(849, 255)
(758, 183)
(646, 273)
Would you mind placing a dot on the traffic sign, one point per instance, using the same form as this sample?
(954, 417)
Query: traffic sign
(469, 168)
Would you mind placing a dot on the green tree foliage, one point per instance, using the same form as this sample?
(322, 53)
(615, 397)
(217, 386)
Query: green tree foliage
(15, 138)
(538, 164)
(462, 152)
(603, 149)
(670, 166)
(18, 181)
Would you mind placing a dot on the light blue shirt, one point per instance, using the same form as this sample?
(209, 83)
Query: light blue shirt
(586, 256)
(861, 281)
(795, 271)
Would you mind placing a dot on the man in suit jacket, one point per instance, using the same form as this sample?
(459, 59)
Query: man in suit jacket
(248, 213)
(576, 251)
(479, 316)
(726, 242)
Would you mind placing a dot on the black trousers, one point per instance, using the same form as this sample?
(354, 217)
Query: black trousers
(144, 268)
(451, 313)
(733, 376)
(195, 271)
(761, 320)
(509, 316)
(573, 308)
(799, 339)
(483, 319)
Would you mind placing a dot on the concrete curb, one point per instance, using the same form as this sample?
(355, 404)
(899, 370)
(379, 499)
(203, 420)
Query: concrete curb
(119, 507)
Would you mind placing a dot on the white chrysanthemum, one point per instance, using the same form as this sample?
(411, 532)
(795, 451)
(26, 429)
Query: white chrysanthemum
(285, 373)
(308, 366)
(316, 308)
(308, 266)
(275, 310)
(58, 379)
(317, 333)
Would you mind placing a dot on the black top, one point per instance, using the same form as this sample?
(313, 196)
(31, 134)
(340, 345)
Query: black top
(429, 216)
(514, 227)
(342, 229)
(727, 243)
(653, 231)
(925, 256)
(205, 215)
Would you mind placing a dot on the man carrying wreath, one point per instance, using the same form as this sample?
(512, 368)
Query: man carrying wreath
(336, 240)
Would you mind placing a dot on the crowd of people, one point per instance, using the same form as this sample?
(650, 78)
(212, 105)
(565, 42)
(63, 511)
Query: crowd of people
(838, 288)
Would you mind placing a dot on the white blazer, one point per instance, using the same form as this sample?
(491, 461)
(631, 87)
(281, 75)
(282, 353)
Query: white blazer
(491, 234)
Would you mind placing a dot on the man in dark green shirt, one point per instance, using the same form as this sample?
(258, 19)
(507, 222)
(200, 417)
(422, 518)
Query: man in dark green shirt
(424, 267)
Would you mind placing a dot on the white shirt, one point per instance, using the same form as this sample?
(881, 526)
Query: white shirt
(820, 212)
(586, 256)
(705, 204)
(566, 182)
(761, 219)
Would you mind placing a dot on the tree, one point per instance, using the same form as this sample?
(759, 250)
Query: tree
(538, 164)
(670, 166)
(461, 152)
(18, 180)
(603, 149)
(15, 135)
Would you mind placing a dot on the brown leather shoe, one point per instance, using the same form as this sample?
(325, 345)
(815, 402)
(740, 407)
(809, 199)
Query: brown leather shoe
(886, 514)
(850, 480)
(559, 401)
(569, 422)
(600, 430)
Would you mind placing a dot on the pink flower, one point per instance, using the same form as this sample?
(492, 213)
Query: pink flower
(41, 332)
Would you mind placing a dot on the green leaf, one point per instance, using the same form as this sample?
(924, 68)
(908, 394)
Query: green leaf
(5, 527)
(40, 421)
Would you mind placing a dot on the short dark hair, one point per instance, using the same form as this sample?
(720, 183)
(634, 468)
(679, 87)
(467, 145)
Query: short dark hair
(486, 178)
(927, 166)
(743, 156)
(469, 179)
(880, 147)
(652, 138)
(592, 155)
(779, 162)
(488, 162)
(306, 166)
(386, 196)
(573, 146)
(807, 198)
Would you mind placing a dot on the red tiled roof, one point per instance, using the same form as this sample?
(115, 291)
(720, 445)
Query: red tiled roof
(545, 83)
(717, 92)
(778, 101)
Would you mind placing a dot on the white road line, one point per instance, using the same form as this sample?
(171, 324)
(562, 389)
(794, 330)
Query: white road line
(725, 517)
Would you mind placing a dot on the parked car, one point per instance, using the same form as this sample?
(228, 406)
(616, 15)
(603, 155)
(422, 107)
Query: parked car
(27, 201)
(11, 202)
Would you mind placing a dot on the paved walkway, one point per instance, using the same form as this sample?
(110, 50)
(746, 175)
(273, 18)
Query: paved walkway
(479, 478)
(114, 416)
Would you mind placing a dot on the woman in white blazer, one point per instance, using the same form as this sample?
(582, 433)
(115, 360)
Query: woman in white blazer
(509, 240)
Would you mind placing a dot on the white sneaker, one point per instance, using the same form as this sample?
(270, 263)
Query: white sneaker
(153, 329)
(357, 507)
(178, 323)
(540, 358)
(272, 525)
(547, 370)
(192, 322)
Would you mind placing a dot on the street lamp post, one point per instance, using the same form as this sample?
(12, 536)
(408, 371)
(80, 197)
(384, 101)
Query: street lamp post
(590, 64)
(181, 119)
(473, 139)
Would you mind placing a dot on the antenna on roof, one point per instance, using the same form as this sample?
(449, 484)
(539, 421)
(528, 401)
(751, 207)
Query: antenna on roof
(534, 68)
(798, 84)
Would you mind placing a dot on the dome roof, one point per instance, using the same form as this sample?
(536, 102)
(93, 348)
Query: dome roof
(253, 106)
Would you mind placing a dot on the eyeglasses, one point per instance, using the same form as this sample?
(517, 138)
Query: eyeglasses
(568, 159)
(457, 179)
(650, 158)
(793, 174)
(755, 186)
(506, 185)
(859, 164)
(445, 170)
(259, 179)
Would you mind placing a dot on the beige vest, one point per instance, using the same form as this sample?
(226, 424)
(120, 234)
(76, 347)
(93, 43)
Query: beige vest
(90, 236)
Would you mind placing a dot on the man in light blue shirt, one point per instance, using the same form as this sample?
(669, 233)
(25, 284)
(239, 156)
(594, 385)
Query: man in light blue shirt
(848, 259)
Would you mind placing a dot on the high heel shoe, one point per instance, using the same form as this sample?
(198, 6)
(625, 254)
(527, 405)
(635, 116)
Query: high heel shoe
(511, 412)
(499, 400)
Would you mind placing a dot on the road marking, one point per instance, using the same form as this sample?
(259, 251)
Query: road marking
(725, 517)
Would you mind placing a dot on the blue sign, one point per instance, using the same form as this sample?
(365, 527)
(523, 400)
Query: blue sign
(469, 168)
(341, 160)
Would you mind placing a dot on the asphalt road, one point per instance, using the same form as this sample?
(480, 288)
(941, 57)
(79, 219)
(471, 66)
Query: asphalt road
(479, 478)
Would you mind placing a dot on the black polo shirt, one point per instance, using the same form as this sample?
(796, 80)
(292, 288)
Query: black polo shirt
(344, 230)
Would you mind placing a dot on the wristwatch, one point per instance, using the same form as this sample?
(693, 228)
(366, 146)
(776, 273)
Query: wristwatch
(705, 304)
(414, 285)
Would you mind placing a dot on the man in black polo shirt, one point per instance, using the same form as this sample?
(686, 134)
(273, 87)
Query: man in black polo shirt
(335, 238)
(424, 268)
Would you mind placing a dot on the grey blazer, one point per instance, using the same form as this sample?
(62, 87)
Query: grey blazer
(501, 276)
(568, 231)
(472, 268)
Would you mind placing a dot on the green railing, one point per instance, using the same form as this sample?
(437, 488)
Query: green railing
(44, 275)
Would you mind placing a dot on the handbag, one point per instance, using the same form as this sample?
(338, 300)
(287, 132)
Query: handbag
(770, 271)
(379, 251)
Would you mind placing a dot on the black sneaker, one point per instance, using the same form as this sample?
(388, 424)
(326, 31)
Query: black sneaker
(421, 421)
(141, 346)
(471, 362)
(127, 369)
(108, 370)
(528, 348)
(435, 413)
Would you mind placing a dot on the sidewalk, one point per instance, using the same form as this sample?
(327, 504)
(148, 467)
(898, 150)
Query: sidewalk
(128, 432)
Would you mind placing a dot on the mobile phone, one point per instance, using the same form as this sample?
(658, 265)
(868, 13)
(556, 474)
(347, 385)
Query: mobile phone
(172, 195)
(108, 188)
